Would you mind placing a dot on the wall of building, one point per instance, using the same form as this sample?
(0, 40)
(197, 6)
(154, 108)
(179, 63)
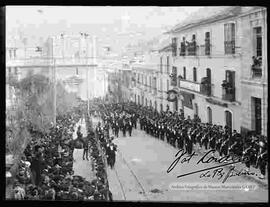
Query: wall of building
(218, 62)
(253, 87)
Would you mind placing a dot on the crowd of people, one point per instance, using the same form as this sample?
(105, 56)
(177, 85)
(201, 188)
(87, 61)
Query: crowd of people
(186, 133)
(45, 171)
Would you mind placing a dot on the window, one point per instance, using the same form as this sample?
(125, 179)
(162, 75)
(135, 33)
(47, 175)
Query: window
(228, 119)
(195, 74)
(168, 64)
(10, 53)
(230, 77)
(228, 86)
(258, 41)
(161, 64)
(168, 85)
(184, 72)
(161, 86)
(174, 76)
(192, 48)
(196, 112)
(207, 43)
(229, 38)
(77, 73)
(174, 46)
(155, 83)
(183, 47)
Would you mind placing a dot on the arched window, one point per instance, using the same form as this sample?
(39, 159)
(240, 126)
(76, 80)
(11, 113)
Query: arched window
(161, 107)
(145, 101)
(228, 119)
(209, 115)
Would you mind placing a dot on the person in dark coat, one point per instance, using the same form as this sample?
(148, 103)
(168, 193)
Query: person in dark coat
(129, 128)
(36, 165)
(85, 149)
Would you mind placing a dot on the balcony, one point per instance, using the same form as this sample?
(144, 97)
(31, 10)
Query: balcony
(192, 49)
(206, 89)
(228, 91)
(189, 50)
(228, 94)
(205, 50)
(174, 49)
(229, 47)
(256, 68)
(189, 85)
(173, 79)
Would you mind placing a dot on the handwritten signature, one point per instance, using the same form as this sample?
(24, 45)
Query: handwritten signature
(183, 157)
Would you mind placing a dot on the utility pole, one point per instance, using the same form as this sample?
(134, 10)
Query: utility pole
(94, 62)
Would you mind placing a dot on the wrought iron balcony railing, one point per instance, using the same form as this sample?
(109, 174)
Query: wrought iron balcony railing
(256, 68)
(228, 93)
(256, 71)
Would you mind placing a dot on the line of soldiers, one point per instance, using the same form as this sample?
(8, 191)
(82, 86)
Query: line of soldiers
(186, 133)
(115, 117)
(106, 144)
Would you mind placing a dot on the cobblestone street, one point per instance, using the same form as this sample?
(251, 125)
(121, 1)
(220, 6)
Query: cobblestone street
(141, 174)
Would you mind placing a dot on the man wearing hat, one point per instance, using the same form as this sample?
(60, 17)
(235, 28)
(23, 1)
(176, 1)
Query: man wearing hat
(262, 158)
(36, 165)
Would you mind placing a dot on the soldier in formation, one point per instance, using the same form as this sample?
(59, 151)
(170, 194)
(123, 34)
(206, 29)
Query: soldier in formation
(187, 133)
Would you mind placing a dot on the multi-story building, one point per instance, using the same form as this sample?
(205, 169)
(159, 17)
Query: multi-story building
(254, 82)
(164, 80)
(151, 82)
(212, 60)
(73, 57)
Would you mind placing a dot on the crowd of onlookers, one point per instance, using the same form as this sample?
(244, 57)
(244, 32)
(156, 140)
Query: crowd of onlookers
(46, 169)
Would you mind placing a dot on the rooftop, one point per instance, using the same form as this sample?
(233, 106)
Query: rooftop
(208, 15)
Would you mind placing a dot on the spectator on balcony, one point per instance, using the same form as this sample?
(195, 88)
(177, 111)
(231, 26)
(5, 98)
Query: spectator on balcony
(256, 61)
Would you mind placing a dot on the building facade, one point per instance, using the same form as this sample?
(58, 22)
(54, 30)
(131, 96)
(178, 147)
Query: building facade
(211, 57)
(254, 81)
(151, 82)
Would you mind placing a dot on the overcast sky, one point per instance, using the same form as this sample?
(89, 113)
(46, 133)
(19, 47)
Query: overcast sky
(111, 24)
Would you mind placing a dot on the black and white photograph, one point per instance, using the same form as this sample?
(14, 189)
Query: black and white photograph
(136, 104)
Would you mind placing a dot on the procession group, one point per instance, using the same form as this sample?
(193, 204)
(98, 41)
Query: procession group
(186, 133)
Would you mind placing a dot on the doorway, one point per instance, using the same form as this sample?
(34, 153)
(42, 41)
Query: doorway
(256, 115)
(228, 119)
